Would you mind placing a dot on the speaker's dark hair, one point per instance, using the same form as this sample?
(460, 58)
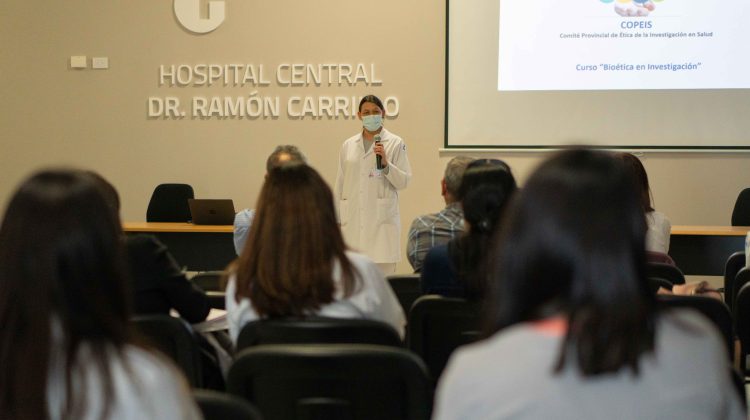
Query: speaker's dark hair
(371, 99)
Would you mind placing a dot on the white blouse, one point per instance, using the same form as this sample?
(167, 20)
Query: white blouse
(373, 298)
(659, 230)
(145, 386)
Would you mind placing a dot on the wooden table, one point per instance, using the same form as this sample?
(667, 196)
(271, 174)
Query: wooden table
(703, 250)
(697, 250)
(195, 247)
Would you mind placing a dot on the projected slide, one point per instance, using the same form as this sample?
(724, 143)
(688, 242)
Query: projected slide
(630, 74)
(623, 44)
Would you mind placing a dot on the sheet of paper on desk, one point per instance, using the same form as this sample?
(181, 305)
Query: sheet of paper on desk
(216, 321)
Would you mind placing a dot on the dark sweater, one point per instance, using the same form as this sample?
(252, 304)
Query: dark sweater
(439, 275)
(158, 282)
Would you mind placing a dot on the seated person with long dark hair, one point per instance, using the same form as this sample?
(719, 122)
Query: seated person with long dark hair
(659, 228)
(66, 346)
(159, 284)
(456, 269)
(575, 331)
(295, 262)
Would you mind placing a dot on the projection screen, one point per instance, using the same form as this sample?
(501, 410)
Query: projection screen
(631, 74)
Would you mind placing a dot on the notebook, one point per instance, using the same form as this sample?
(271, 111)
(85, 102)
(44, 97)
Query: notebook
(211, 211)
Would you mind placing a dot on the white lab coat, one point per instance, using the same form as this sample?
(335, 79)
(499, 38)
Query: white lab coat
(368, 199)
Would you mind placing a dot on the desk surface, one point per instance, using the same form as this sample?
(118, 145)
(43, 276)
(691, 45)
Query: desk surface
(189, 227)
(711, 230)
(175, 227)
(698, 250)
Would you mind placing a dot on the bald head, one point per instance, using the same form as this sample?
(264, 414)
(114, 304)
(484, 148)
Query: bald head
(284, 154)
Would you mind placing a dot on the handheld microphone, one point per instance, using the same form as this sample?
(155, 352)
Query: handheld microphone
(378, 158)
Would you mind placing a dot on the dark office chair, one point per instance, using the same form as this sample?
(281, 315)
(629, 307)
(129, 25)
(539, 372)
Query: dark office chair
(438, 325)
(740, 280)
(175, 338)
(317, 330)
(665, 271)
(738, 381)
(741, 212)
(169, 203)
(742, 324)
(221, 406)
(332, 382)
(713, 309)
(217, 300)
(659, 257)
(657, 282)
(734, 264)
(407, 289)
(210, 281)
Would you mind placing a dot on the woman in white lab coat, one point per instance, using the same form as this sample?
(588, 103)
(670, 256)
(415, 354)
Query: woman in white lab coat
(367, 196)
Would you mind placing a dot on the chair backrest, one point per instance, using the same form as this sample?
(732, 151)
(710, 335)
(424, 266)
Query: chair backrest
(665, 271)
(217, 300)
(317, 330)
(210, 281)
(332, 382)
(740, 280)
(659, 257)
(222, 406)
(734, 264)
(438, 325)
(715, 310)
(741, 212)
(169, 203)
(657, 282)
(738, 381)
(175, 338)
(741, 315)
(407, 289)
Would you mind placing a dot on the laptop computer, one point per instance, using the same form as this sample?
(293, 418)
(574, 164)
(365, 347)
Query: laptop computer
(211, 211)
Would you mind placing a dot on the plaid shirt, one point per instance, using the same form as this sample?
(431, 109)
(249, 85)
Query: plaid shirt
(432, 230)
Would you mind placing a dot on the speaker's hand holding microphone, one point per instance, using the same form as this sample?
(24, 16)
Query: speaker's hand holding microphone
(380, 159)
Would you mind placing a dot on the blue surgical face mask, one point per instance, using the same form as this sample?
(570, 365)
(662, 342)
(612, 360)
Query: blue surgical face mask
(372, 122)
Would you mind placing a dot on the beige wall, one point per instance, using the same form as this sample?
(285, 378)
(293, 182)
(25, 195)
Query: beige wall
(51, 115)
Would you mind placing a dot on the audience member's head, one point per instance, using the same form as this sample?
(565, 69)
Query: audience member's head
(61, 287)
(284, 154)
(487, 185)
(485, 190)
(109, 192)
(573, 245)
(639, 177)
(454, 172)
(294, 243)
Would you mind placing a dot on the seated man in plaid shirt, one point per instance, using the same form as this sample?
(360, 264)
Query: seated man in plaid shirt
(435, 229)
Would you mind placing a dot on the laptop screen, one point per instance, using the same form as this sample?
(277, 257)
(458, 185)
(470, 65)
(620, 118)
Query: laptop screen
(211, 211)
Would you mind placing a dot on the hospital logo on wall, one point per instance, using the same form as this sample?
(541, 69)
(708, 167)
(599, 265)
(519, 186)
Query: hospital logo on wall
(188, 14)
(633, 8)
